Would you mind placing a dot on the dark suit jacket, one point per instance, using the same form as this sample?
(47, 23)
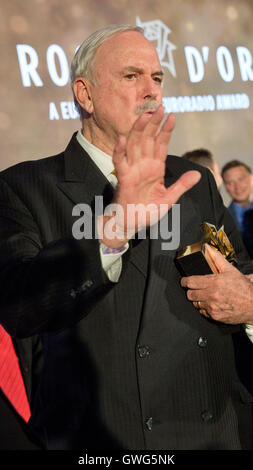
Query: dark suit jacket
(248, 231)
(247, 234)
(233, 213)
(130, 365)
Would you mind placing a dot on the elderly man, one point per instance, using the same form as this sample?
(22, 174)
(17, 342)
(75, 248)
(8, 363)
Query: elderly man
(129, 363)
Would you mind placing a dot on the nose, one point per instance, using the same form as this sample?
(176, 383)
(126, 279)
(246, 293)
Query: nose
(236, 186)
(150, 89)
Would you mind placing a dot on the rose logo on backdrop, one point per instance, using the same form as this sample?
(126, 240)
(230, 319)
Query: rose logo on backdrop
(157, 31)
(196, 62)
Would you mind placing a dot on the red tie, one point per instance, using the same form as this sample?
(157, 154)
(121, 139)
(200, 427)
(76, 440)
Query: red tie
(11, 380)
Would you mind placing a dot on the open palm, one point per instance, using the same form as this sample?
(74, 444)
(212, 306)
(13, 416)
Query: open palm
(140, 166)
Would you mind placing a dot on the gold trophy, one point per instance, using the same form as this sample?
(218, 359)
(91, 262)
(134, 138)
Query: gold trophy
(194, 259)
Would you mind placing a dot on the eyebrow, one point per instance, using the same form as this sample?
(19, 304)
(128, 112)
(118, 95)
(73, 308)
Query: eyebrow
(140, 70)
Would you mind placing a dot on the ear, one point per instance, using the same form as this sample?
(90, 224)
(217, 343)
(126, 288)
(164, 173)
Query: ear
(82, 90)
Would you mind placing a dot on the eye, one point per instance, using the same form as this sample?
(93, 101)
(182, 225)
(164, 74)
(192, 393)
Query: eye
(158, 79)
(130, 76)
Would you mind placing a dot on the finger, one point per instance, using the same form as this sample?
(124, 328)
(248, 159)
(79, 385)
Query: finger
(141, 139)
(218, 259)
(198, 304)
(153, 122)
(196, 282)
(183, 184)
(148, 122)
(196, 296)
(163, 137)
(150, 132)
(204, 312)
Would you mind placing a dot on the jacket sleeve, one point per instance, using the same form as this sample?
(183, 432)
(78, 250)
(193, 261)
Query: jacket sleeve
(43, 288)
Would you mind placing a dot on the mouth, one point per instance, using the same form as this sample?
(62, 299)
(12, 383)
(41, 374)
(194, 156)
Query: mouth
(149, 111)
(240, 196)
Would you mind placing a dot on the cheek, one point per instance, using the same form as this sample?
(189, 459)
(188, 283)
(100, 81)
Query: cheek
(160, 99)
(117, 101)
(242, 186)
(248, 185)
(125, 105)
(230, 189)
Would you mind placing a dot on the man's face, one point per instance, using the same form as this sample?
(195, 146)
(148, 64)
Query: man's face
(238, 183)
(127, 75)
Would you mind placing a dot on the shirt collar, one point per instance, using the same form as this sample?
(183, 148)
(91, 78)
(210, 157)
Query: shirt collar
(100, 158)
(240, 211)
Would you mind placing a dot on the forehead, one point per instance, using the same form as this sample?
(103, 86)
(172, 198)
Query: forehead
(127, 48)
(236, 172)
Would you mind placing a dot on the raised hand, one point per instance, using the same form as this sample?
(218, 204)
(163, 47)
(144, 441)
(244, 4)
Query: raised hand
(139, 161)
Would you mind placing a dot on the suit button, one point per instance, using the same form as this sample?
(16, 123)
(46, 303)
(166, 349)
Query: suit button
(143, 351)
(202, 342)
(149, 423)
(206, 416)
(86, 285)
(73, 293)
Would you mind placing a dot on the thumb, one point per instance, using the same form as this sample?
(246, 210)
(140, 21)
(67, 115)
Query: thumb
(218, 259)
(183, 184)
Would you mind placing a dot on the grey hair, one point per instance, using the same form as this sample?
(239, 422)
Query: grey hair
(83, 60)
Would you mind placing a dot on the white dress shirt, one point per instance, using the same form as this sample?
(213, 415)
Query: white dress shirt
(249, 331)
(111, 262)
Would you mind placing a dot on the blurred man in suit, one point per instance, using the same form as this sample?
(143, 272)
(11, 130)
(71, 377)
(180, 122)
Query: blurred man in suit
(237, 179)
(205, 158)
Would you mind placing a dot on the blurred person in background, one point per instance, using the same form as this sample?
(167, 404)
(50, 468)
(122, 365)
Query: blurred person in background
(205, 158)
(238, 183)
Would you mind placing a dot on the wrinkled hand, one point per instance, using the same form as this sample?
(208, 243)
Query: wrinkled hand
(225, 297)
(139, 161)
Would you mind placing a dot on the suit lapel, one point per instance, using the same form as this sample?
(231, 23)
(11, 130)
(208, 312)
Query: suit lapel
(83, 179)
(139, 255)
